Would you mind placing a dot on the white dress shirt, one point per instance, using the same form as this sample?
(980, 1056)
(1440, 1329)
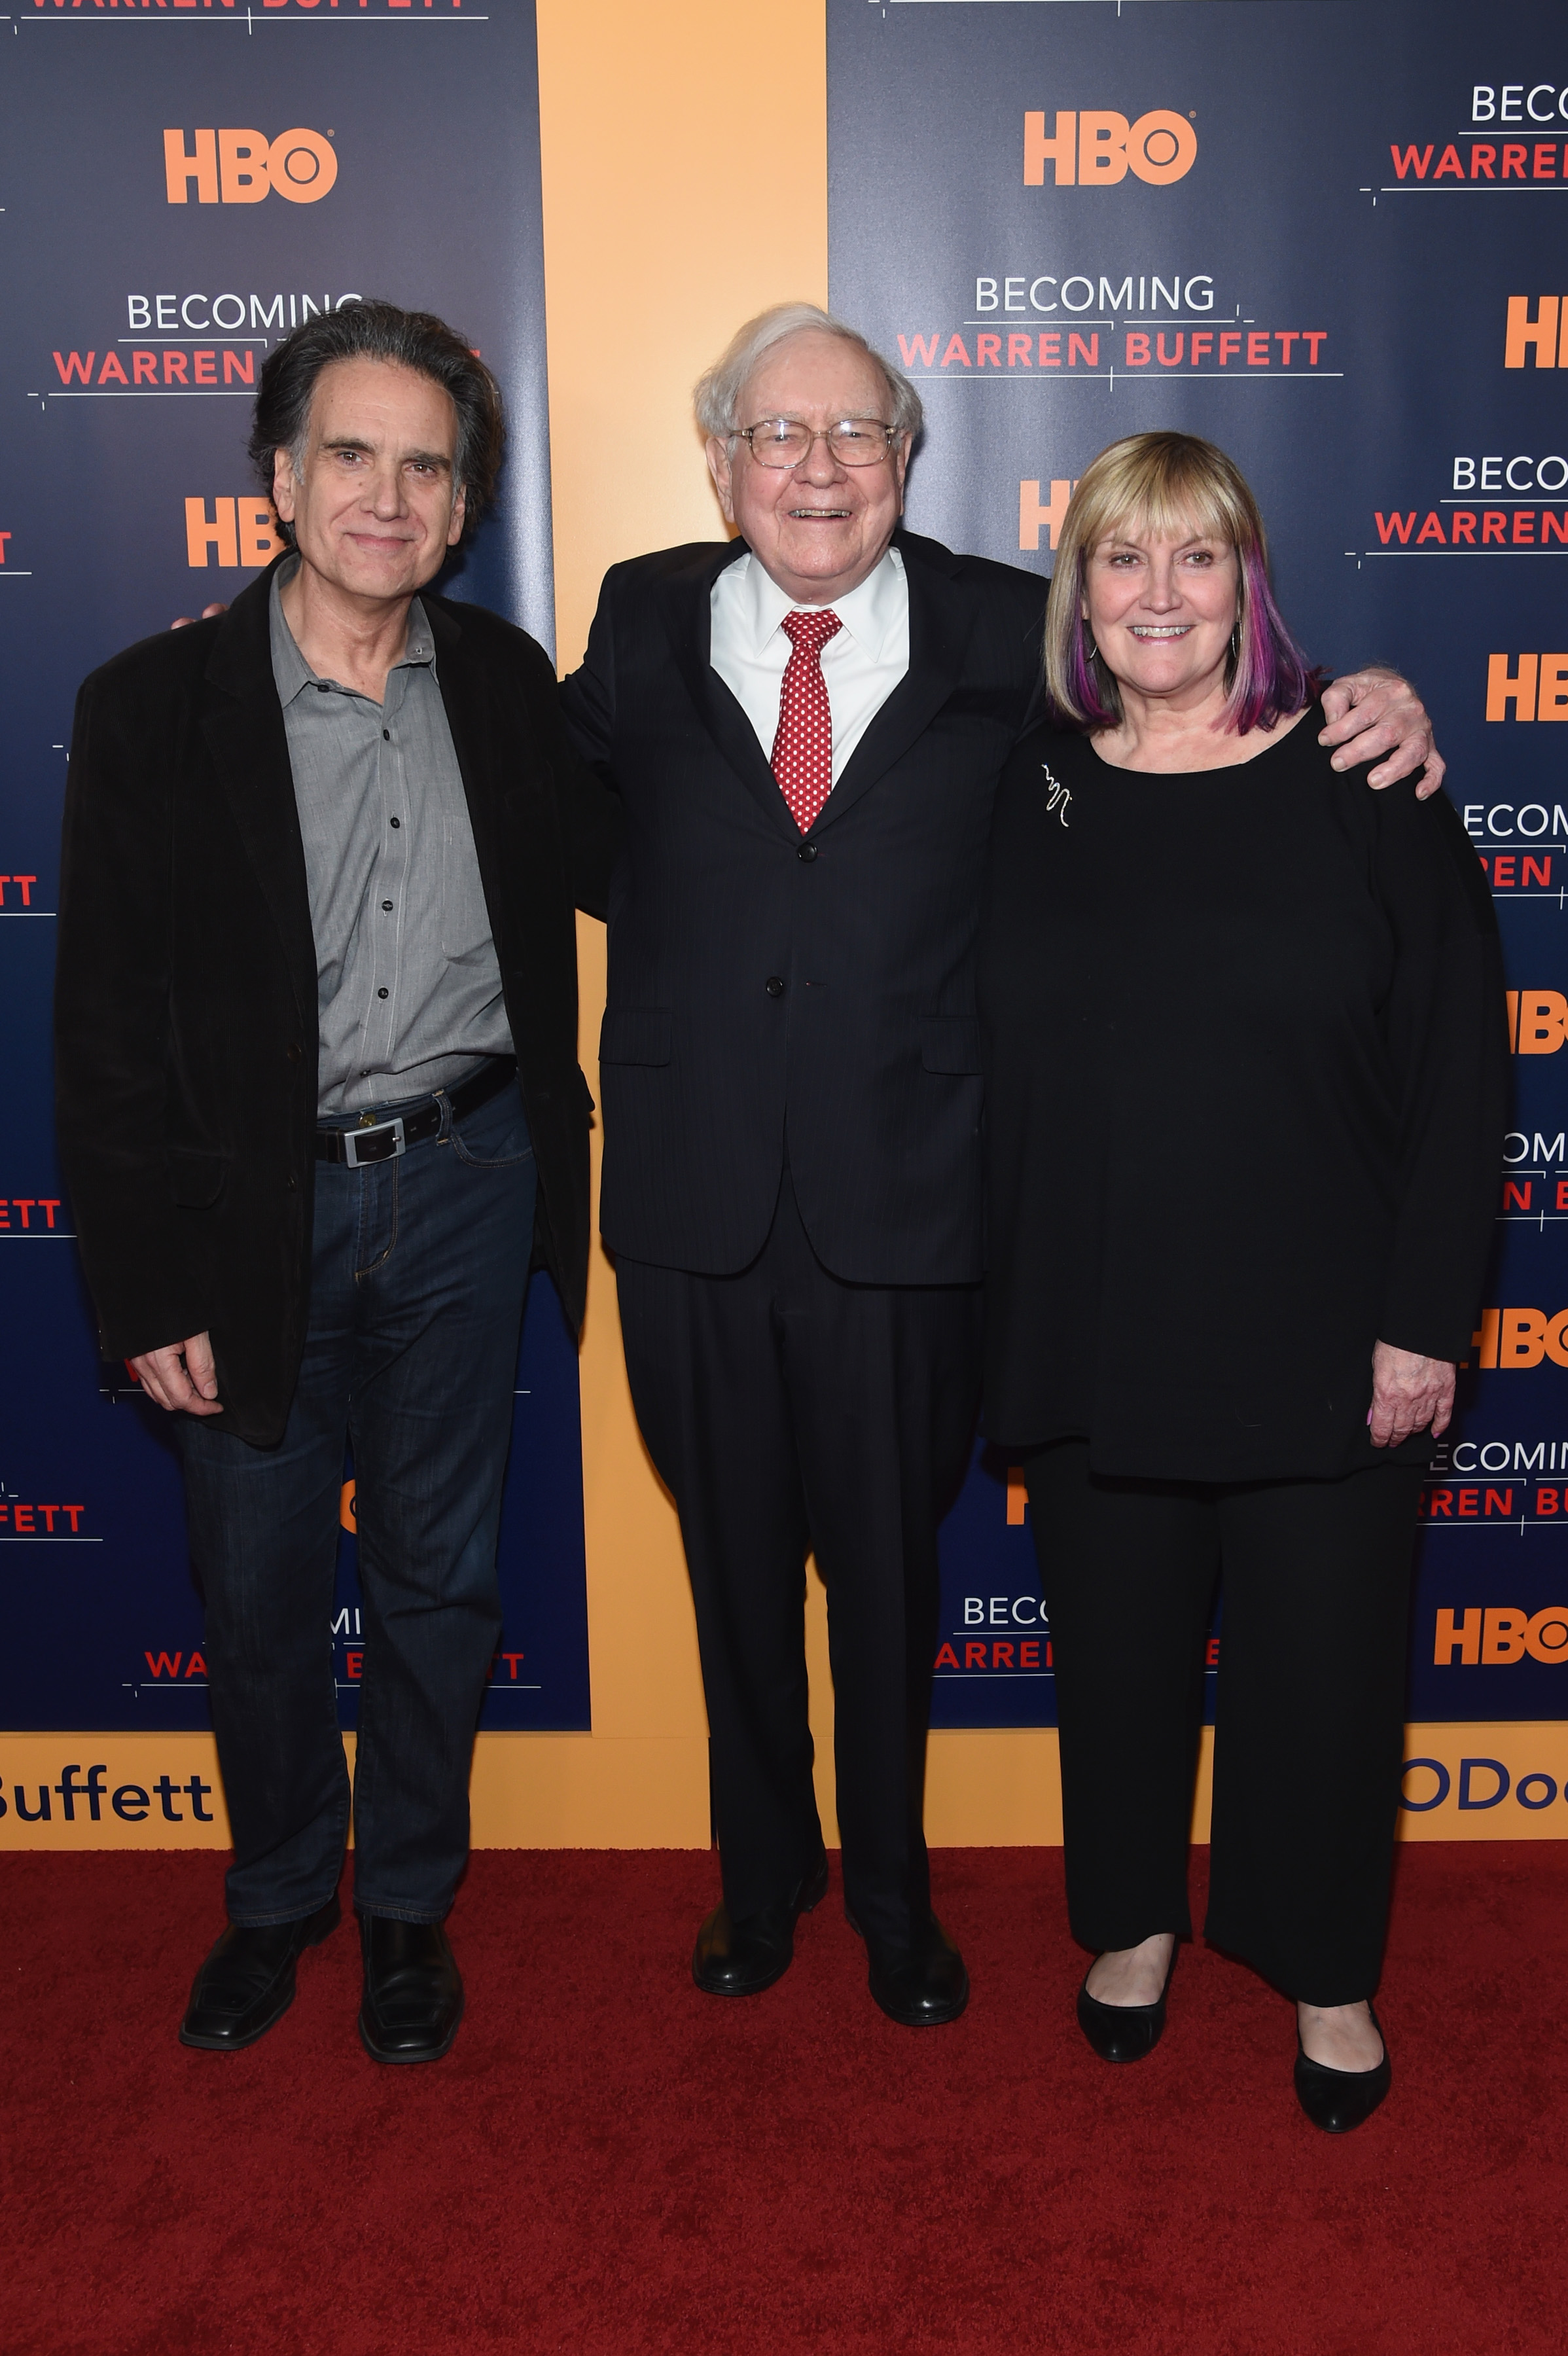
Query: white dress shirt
(862, 664)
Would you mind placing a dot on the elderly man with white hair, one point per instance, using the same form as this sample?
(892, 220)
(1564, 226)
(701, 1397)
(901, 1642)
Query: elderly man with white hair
(806, 724)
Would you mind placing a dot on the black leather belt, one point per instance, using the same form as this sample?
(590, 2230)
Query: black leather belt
(383, 1141)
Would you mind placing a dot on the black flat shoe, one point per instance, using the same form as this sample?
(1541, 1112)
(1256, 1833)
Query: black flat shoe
(1338, 2100)
(246, 1983)
(742, 1958)
(923, 1987)
(1123, 2032)
(413, 1990)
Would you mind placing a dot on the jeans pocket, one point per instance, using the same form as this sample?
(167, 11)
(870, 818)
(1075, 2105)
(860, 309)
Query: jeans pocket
(494, 1137)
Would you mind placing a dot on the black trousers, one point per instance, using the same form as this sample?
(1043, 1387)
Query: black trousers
(787, 1410)
(1309, 1722)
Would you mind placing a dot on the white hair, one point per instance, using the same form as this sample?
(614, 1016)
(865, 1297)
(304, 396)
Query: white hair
(718, 390)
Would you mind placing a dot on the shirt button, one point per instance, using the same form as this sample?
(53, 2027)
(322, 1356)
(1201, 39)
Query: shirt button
(807, 851)
(381, 993)
(386, 735)
(386, 904)
(774, 985)
(396, 822)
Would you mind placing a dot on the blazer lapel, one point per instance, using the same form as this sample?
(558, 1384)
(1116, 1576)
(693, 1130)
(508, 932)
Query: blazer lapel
(242, 724)
(487, 768)
(942, 616)
(688, 619)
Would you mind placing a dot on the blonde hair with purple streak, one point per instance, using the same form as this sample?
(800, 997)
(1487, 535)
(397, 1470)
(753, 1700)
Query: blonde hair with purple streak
(1170, 483)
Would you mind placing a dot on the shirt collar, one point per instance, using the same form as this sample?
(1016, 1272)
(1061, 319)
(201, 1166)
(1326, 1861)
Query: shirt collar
(292, 674)
(869, 613)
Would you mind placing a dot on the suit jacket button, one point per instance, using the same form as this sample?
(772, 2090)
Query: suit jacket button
(774, 985)
(807, 851)
(295, 1051)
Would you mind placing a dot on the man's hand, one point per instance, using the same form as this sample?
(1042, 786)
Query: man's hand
(184, 621)
(1374, 712)
(1408, 1394)
(182, 1377)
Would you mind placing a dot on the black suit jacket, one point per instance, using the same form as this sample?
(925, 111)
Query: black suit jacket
(764, 986)
(185, 998)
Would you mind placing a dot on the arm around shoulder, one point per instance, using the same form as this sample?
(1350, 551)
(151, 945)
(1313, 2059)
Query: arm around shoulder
(1375, 715)
(588, 693)
(590, 811)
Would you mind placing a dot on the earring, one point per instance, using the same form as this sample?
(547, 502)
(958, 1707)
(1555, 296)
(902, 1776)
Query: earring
(1091, 651)
(1236, 643)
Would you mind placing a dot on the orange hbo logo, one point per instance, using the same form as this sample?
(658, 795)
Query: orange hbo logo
(1494, 1638)
(1036, 514)
(242, 531)
(1512, 1339)
(1538, 1020)
(241, 167)
(1540, 336)
(1537, 689)
(1094, 149)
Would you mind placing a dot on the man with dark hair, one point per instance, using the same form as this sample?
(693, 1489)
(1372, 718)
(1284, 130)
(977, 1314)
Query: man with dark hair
(319, 1109)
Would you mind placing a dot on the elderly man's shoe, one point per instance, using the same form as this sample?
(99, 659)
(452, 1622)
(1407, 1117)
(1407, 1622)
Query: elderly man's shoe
(246, 1983)
(742, 1958)
(922, 1985)
(1338, 2100)
(413, 1991)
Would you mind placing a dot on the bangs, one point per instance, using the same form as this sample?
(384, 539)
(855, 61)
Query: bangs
(1162, 497)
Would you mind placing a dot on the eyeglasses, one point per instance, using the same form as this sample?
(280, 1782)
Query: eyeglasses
(784, 441)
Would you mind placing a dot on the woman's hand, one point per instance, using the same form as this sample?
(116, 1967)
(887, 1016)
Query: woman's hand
(1409, 1393)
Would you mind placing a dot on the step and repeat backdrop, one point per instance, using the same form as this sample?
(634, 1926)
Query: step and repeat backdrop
(1327, 236)
(1330, 238)
(180, 188)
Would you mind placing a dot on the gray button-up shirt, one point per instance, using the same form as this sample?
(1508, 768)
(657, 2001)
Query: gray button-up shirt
(408, 986)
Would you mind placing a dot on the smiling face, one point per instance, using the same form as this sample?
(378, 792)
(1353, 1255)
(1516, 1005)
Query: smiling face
(1161, 607)
(817, 529)
(375, 505)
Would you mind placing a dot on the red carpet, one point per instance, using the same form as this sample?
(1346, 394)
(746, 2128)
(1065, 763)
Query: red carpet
(611, 2162)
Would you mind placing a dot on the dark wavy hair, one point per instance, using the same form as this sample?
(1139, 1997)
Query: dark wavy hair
(380, 331)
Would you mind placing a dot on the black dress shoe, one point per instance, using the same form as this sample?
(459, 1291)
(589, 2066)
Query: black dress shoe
(247, 1982)
(921, 1986)
(413, 1990)
(1122, 2032)
(742, 1958)
(1338, 2100)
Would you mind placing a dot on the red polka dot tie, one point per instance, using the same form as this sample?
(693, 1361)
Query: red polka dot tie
(803, 748)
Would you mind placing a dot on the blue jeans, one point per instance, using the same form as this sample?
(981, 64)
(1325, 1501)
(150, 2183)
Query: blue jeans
(418, 1277)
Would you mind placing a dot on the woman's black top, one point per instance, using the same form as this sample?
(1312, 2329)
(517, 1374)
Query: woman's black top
(1246, 1096)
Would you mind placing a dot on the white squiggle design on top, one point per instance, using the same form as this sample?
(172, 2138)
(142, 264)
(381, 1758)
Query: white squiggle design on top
(1059, 795)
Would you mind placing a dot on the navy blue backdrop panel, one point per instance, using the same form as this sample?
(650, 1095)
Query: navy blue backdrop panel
(1331, 238)
(181, 187)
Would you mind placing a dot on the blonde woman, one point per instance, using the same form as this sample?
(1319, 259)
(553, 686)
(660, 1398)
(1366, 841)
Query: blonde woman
(1247, 1063)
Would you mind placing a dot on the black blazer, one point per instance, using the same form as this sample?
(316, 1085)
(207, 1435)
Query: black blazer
(760, 983)
(185, 998)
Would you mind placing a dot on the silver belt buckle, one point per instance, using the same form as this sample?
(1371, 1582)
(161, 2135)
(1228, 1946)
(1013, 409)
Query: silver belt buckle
(354, 1137)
